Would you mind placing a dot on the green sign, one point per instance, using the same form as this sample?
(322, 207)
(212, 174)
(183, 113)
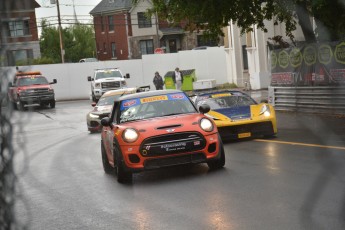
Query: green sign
(283, 59)
(309, 55)
(340, 53)
(296, 57)
(325, 54)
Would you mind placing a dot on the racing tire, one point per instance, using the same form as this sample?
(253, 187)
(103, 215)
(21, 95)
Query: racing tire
(123, 176)
(94, 98)
(52, 104)
(106, 166)
(14, 106)
(220, 162)
(20, 106)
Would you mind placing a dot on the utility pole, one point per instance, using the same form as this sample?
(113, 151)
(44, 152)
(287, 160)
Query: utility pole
(60, 33)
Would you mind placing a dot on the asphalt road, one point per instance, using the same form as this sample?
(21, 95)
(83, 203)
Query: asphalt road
(293, 181)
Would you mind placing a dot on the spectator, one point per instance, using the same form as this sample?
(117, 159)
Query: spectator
(178, 78)
(158, 81)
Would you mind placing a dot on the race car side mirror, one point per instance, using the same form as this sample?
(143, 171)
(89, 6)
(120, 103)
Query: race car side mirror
(204, 108)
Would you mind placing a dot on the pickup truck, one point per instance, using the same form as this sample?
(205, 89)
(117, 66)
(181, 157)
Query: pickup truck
(106, 79)
(31, 89)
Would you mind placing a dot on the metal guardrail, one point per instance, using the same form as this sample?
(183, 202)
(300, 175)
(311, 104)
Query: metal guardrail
(318, 99)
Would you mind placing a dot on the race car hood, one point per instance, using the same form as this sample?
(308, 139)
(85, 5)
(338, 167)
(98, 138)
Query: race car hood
(234, 113)
(167, 124)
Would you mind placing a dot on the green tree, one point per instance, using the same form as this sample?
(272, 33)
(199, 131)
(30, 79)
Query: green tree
(213, 15)
(78, 42)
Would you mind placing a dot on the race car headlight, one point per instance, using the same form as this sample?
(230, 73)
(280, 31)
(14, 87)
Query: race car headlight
(98, 85)
(206, 125)
(93, 115)
(265, 110)
(130, 135)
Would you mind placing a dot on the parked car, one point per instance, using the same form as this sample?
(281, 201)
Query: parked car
(31, 89)
(237, 115)
(156, 129)
(106, 79)
(103, 107)
(88, 60)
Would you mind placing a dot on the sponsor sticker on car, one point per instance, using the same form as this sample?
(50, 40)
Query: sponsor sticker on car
(220, 95)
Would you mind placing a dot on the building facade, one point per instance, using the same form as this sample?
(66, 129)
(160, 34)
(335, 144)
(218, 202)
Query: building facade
(18, 34)
(124, 31)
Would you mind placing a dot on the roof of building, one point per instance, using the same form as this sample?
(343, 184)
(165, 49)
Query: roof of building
(10, 5)
(111, 5)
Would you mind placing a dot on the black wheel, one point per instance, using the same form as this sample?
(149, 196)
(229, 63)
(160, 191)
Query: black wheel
(20, 106)
(52, 104)
(94, 98)
(106, 166)
(14, 105)
(219, 163)
(122, 175)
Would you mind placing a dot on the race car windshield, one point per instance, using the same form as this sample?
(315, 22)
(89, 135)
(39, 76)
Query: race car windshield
(226, 102)
(157, 106)
(108, 74)
(107, 100)
(32, 81)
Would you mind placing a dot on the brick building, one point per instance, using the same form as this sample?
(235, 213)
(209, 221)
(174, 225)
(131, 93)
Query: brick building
(18, 34)
(123, 31)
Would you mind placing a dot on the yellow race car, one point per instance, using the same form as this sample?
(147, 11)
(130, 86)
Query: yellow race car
(237, 115)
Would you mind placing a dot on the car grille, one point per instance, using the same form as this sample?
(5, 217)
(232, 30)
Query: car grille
(111, 84)
(37, 92)
(256, 129)
(172, 144)
(175, 160)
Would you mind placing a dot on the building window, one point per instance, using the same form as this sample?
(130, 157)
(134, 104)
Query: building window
(16, 57)
(143, 21)
(111, 23)
(17, 28)
(203, 41)
(102, 24)
(146, 46)
(113, 50)
(245, 57)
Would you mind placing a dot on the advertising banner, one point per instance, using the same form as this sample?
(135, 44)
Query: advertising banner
(318, 64)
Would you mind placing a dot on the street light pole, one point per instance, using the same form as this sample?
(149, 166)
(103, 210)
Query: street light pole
(60, 33)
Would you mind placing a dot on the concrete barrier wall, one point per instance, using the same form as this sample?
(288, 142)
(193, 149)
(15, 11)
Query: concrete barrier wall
(72, 77)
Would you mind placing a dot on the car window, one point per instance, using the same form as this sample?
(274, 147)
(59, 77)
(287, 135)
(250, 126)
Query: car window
(156, 106)
(32, 81)
(107, 100)
(107, 74)
(225, 102)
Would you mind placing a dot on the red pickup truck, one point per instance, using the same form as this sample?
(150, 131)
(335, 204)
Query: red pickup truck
(31, 89)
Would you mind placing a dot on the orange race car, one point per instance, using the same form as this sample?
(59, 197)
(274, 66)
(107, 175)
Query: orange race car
(157, 129)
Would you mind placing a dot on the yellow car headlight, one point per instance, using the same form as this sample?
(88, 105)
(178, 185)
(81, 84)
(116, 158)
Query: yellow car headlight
(265, 110)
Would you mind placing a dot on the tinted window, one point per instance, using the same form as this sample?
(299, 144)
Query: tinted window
(32, 81)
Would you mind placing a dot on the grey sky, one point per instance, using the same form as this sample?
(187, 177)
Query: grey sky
(49, 11)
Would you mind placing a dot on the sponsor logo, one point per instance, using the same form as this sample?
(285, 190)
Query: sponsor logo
(170, 130)
(129, 103)
(152, 99)
(220, 95)
(177, 96)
